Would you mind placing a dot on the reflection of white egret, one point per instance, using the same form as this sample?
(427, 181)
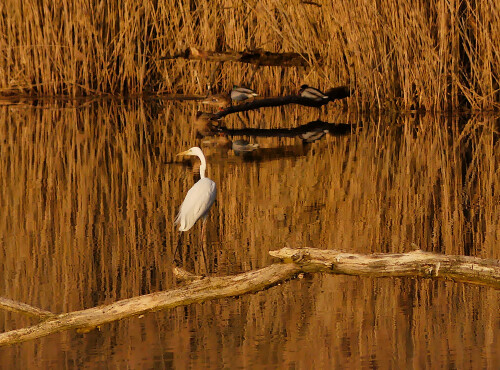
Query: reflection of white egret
(198, 199)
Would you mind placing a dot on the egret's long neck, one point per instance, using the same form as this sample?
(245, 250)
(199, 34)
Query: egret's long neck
(203, 165)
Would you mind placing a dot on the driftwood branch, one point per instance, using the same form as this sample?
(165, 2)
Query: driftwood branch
(258, 57)
(335, 93)
(458, 268)
(465, 269)
(195, 292)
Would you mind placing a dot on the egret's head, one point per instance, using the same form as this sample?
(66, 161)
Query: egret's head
(193, 151)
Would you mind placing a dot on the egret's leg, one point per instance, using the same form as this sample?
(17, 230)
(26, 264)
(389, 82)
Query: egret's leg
(178, 248)
(203, 228)
(203, 244)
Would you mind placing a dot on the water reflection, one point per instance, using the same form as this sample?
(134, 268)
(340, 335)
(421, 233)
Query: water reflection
(89, 194)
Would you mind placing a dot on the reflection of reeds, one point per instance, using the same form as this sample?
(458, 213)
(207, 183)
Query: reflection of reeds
(434, 55)
(89, 194)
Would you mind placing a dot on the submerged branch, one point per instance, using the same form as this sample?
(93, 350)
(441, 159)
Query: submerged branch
(10, 305)
(458, 268)
(258, 57)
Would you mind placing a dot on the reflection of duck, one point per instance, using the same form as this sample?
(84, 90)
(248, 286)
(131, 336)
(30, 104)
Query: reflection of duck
(311, 93)
(313, 135)
(223, 141)
(221, 101)
(243, 146)
(220, 141)
(242, 93)
(204, 123)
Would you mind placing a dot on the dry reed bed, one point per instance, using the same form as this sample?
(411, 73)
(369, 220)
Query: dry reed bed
(433, 55)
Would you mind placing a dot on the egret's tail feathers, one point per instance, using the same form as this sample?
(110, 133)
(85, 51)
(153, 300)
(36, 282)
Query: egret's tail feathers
(177, 221)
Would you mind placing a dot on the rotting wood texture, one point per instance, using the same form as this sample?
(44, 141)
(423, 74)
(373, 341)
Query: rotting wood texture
(470, 270)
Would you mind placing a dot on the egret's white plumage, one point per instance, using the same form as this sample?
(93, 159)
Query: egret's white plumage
(197, 203)
(199, 198)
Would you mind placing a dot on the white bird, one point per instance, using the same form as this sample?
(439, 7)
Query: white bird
(198, 199)
(312, 93)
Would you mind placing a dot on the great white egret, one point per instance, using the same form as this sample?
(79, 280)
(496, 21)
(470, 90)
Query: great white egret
(198, 199)
(241, 93)
(312, 93)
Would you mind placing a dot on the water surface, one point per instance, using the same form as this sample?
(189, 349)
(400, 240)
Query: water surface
(89, 192)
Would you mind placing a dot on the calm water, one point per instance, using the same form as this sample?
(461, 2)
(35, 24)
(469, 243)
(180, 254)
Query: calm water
(89, 192)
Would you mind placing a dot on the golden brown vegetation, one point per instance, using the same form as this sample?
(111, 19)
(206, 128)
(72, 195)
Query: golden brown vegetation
(432, 55)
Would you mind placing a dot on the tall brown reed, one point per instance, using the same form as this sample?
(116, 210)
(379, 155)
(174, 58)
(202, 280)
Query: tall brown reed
(433, 55)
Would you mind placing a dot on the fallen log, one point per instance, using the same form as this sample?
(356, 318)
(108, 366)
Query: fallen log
(195, 292)
(470, 270)
(333, 94)
(257, 57)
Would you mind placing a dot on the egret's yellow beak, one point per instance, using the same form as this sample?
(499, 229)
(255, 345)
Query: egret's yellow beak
(186, 152)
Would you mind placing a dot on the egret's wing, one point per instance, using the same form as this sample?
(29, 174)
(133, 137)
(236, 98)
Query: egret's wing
(197, 203)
